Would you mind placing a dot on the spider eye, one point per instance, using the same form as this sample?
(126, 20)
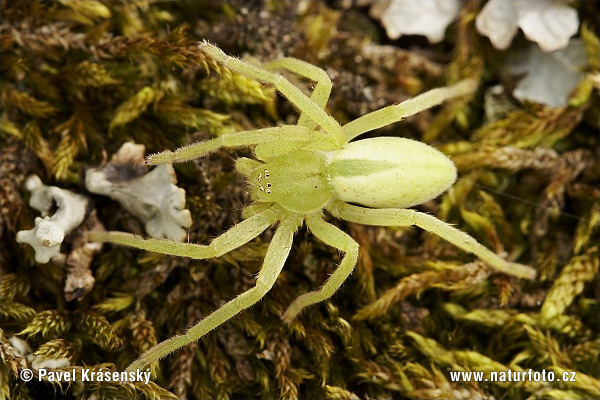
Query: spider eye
(267, 174)
(268, 185)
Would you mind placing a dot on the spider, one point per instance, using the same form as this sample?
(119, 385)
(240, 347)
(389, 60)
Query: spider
(301, 170)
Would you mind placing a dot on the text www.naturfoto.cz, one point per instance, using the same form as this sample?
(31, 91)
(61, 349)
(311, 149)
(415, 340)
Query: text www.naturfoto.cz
(513, 376)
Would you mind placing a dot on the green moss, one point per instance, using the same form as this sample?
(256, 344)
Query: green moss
(78, 79)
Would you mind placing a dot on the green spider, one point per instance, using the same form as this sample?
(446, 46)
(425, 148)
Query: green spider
(309, 167)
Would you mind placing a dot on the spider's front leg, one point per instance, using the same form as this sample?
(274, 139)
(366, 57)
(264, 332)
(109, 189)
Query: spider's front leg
(322, 90)
(280, 136)
(333, 237)
(407, 217)
(334, 131)
(277, 253)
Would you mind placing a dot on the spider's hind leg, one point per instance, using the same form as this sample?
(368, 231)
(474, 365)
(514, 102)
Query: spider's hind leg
(407, 217)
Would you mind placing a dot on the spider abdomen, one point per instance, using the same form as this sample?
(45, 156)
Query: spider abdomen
(389, 172)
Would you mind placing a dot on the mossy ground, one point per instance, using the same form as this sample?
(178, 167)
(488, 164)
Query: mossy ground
(78, 79)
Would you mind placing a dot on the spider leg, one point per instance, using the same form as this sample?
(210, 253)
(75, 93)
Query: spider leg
(293, 94)
(397, 112)
(235, 237)
(280, 135)
(406, 217)
(274, 260)
(322, 90)
(333, 237)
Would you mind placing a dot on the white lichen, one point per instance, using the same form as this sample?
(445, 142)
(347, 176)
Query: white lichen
(151, 196)
(22, 350)
(550, 78)
(20, 346)
(50, 231)
(549, 23)
(429, 18)
(40, 362)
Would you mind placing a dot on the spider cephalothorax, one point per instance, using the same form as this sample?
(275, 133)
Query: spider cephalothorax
(309, 167)
(297, 181)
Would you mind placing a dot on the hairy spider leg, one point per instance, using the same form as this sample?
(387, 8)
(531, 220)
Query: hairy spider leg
(322, 90)
(235, 237)
(389, 115)
(407, 217)
(277, 253)
(294, 95)
(334, 237)
(279, 135)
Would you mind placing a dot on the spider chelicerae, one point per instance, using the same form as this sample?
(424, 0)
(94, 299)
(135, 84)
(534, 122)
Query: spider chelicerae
(301, 170)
